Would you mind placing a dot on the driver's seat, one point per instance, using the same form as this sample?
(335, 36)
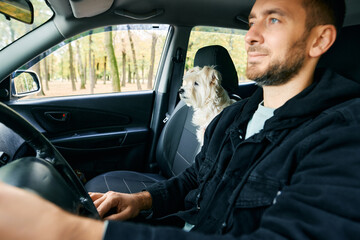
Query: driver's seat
(177, 145)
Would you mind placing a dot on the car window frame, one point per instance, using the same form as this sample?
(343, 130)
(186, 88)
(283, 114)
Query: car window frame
(54, 48)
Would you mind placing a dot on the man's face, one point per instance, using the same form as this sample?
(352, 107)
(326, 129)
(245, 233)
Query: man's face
(276, 42)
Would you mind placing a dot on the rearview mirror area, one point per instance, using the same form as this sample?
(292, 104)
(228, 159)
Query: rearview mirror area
(24, 83)
(21, 10)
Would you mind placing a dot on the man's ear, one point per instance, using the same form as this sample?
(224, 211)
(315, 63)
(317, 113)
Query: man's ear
(323, 38)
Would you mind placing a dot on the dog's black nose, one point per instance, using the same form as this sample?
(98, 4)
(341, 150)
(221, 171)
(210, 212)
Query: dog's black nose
(181, 91)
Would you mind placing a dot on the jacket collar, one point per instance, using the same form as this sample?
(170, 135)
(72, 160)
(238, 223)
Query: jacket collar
(327, 90)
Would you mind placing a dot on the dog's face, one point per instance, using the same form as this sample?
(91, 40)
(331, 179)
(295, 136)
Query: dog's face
(200, 85)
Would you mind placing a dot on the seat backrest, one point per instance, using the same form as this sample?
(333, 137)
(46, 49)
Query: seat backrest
(219, 57)
(178, 145)
(344, 56)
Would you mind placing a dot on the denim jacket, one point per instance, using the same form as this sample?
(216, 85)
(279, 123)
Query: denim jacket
(299, 178)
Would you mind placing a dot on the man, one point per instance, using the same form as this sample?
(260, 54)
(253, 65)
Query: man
(281, 165)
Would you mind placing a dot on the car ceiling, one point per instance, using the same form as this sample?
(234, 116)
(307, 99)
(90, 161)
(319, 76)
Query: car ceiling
(177, 12)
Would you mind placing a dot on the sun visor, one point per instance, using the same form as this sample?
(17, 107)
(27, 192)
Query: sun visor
(89, 8)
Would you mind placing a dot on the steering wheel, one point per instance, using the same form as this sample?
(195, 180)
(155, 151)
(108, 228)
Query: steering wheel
(48, 174)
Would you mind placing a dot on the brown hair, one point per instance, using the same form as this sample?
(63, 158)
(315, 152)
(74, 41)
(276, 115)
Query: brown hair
(321, 12)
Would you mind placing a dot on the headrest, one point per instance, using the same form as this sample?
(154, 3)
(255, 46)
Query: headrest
(344, 56)
(219, 57)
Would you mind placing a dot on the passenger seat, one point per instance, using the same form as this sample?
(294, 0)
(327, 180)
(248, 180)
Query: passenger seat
(177, 145)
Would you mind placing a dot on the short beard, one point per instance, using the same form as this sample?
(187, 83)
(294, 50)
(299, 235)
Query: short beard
(280, 72)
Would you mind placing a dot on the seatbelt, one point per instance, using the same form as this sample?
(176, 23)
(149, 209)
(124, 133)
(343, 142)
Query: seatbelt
(175, 81)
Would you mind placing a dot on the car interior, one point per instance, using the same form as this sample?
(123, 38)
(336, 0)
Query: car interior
(123, 141)
(177, 145)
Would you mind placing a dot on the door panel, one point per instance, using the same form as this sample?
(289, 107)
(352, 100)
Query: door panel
(63, 119)
(95, 133)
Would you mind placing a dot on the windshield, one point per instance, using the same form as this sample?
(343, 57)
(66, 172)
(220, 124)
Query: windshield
(16, 29)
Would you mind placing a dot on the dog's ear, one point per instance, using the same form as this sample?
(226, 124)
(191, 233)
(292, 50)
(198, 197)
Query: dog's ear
(215, 77)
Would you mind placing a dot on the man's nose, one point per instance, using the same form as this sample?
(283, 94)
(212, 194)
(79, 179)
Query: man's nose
(181, 91)
(254, 35)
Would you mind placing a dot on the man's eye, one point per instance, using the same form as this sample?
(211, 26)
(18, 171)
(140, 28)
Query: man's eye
(196, 84)
(274, 20)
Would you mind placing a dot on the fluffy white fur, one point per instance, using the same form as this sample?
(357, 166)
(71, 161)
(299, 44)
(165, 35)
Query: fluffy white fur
(202, 91)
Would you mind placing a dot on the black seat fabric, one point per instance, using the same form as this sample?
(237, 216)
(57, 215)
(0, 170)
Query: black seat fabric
(344, 57)
(177, 145)
(219, 57)
(123, 181)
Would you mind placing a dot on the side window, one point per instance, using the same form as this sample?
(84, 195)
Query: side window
(119, 58)
(231, 39)
(13, 30)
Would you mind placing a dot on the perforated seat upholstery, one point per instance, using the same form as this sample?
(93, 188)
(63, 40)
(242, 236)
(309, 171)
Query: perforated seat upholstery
(177, 145)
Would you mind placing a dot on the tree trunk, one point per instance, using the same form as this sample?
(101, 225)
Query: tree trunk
(37, 69)
(51, 67)
(129, 72)
(134, 59)
(82, 71)
(91, 72)
(71, 66)
(113, 62)
(187, 66)
(12, 31)
(105, 59)
(142, 69)
(123, 82)
(62, 69)
(85, 69)
(152, 61)
(97, 68)
(231, 40)
(46, 73)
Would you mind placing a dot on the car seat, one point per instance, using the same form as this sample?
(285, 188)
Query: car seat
(177, 145)
(344, 56)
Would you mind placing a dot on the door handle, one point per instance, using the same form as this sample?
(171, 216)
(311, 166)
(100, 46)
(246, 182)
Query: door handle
(57, 116)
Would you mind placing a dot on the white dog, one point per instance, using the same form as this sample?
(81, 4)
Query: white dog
(202, 91)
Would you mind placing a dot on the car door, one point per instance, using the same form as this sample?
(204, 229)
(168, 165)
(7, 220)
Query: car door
(97, 112)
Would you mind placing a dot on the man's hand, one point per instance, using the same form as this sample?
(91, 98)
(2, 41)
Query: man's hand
(25, 215)
(126, 206)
